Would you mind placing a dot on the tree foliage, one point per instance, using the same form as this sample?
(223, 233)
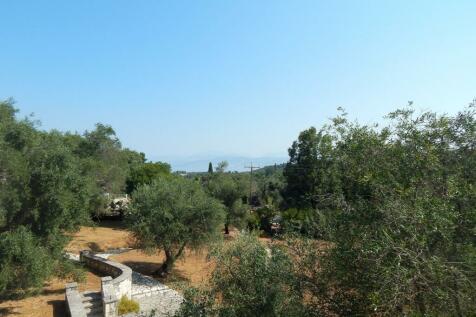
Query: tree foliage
(42, 197)
(145, 173)
(172, 214)
(230, 190)
(50, 184)
(248, 280)
(399, 206)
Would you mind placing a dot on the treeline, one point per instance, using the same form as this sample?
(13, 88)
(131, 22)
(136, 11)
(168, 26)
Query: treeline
(50, 184)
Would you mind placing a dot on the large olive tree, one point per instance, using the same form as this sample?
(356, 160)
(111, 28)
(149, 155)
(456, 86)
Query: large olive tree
(172, 214)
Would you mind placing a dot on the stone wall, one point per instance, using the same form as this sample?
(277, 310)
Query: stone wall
(74, 303)
(121, 275)
(121, 281)
(114, 286)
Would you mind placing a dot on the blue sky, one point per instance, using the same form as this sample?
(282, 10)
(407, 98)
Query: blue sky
(194, 78)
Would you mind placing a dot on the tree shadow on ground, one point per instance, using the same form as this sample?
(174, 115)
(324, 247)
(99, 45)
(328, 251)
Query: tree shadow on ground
(146, 268)
(150, 269)
(95, 247)
(59, 308)
(7, 311)
(115, 224)
(53, 291)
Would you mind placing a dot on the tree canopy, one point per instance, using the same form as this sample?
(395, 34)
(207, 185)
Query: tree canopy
(248, 280)
(172, 214)
(399, 205)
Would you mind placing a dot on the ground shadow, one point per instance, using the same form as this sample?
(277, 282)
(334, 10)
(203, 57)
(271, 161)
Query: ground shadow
(112, 223)
(7, 311)
(59, 308)
(52, 291)
(150, 269)
(93, 246)
(146, 268)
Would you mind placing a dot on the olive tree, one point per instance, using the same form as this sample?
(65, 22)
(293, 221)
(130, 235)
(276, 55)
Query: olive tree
(172, 214)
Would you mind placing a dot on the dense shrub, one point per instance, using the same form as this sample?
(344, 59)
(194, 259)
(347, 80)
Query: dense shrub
(24, 262)
(249, 280)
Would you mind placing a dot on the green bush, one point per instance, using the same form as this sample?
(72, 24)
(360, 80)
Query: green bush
(24, 263)
(126, 306)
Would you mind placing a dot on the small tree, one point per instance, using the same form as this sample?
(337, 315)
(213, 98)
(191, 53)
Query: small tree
(222, 166)
(171, 214)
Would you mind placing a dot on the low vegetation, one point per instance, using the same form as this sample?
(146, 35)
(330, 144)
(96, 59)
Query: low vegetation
(126, 306)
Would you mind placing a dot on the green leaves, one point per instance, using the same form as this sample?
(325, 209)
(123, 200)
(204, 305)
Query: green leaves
(24, 262)
(249, 280)
(399, 206)
(173, 213)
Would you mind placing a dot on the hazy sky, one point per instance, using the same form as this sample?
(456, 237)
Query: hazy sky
(182, 78)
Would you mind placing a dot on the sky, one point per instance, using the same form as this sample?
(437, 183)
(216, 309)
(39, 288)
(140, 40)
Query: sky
(191, 79)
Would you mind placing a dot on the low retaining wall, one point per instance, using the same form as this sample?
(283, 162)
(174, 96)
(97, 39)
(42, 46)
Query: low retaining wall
(113, 287)
(121, 281)
(74, 302)
(120, 275)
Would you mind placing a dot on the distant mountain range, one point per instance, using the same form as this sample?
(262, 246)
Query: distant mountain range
(235, 163)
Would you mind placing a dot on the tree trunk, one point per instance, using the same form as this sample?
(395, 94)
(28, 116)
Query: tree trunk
(227, 231)
(165, 268)
(170, 258)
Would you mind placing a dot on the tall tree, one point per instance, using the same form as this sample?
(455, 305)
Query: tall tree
(42, 198)
(222, 166)
(399, 205)
(210, 168)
